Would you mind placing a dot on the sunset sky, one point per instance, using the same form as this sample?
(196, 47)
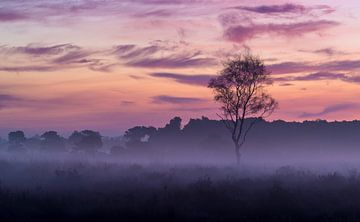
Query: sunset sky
(109, 65)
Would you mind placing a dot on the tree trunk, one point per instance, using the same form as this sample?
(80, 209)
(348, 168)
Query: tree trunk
(237, 153)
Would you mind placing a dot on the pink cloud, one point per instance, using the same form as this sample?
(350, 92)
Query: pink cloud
(7, 15)
(288, 8)
(296, 67)
(330, 109)
(240, 33)
(201, 80)
(173, 61)
(176, 100)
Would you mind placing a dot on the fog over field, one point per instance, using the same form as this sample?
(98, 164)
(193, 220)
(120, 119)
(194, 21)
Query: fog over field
(89, 188)
(178, 173)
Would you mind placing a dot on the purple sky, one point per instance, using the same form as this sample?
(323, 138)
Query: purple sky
(109, 65)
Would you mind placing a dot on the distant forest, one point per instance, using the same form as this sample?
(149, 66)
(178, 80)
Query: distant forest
(197, 136)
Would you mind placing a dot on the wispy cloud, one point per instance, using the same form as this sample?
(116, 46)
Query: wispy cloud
(39, 10)
(201, 80)
(29, 68)
(296, 67)
(287, 9)
(133, 51)
(28, 102)
(320, 76)
(325, 51)
(176, 100)
(330, 109)
(7, 97)
(47, 58)
(162, 54)
(286, 84)
(78, 56)
(8, 15)
(173, 61)
(170, 2)
(39, 50)
(127, 103)
(241, 33)
(156, 13)
(274, 9)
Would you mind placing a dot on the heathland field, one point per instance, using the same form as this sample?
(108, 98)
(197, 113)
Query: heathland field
(86, 189)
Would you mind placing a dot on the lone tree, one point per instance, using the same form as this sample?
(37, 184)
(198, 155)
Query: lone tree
(240, 89)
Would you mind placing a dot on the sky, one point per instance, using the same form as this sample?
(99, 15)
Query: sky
(109, 65)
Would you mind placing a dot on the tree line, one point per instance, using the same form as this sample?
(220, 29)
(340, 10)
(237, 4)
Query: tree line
(81, 141)
(197, 135)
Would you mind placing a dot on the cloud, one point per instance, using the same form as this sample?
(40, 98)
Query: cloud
(97, 65)
(287, 9)
(7, 97)
(16, 101)
(136, 77)
(176, 100)
(127, 103)
(201, 80)
(296, 67)
(156, 13)
(340, 65)
(170, 2)
(77, 56)
(6, 100)
(173, 61)
(8, 15)
(40, 10)
(193, 109)
(71, 6)
(28, 68)
(320, 76)
(274, 9)
(47, 58)
(36, 50)
(132, 51)
(161, 54)
(289, 67)
(286, 84)
(330, 109)
(241, 33)
(325, 51)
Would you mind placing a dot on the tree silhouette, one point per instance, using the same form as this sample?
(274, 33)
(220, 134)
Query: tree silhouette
(86, 140)
(51, 141)
(137, 137)
(239, 88)
(168, 136)
(16, 141)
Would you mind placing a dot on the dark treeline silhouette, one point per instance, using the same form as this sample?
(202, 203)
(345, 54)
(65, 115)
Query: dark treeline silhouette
(84, 141)
(276, 138)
